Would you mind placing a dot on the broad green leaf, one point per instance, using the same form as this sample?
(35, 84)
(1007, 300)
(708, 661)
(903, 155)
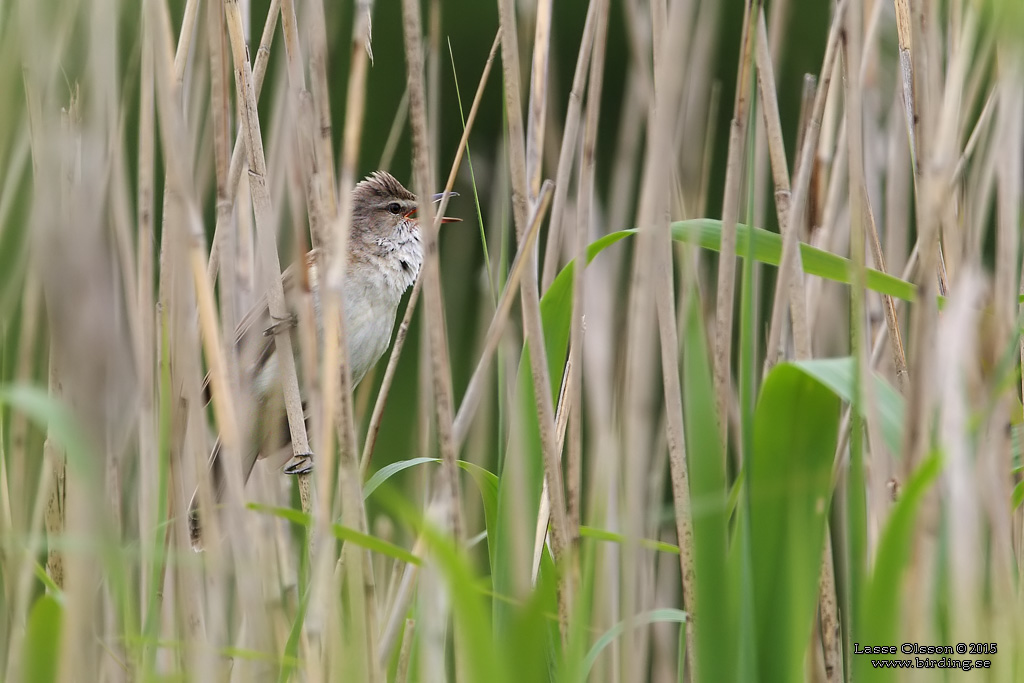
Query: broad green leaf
(768, 249)
(487, 483)
(837, 375)
(884, 594)
(715, 588)
(533, 633)
(42, 640)
(556, 316)
(556, 304)
(796, 427)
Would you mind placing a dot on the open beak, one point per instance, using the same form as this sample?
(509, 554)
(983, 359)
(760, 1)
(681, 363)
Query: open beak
(437, 198)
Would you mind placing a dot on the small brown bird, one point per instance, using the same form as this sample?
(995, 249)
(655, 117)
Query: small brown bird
(385, 255)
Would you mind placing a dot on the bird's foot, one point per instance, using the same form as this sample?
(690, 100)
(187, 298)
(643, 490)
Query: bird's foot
(282, 325)
(299, 464)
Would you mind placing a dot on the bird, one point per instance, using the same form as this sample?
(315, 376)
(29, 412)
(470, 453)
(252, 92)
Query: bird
(385, 256)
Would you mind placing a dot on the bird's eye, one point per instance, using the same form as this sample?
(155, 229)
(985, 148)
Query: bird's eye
(395, 208)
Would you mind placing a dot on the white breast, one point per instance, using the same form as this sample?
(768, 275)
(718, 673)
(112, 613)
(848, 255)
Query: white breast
(370, 308)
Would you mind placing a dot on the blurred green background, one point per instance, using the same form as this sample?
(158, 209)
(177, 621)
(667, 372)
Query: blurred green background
(470, 26)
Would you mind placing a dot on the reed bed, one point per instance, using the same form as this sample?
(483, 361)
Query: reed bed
(696, 392)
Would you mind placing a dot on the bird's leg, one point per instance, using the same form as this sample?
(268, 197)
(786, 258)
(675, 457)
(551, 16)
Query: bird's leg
(301, 463)
(281, 325)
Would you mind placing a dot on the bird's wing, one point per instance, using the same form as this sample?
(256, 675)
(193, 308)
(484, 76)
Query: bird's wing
(253, 328)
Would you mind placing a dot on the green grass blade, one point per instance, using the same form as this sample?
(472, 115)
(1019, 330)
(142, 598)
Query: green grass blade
(486, 482)
(343, 533)
(385, 473)
(602, 535)
(472, 178)
(655, 616)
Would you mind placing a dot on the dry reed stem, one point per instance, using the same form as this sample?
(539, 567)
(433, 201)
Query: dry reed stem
(387, 156)
(957, 357)
(302, 105)
(710, 129)
(538, 97)
(146, 337)
(888, 303)
(14, 502)
(585, 199)
(897, 191)
(568, 149)
(805, 167)
(321, 103)
(810, 85)
(337, 387)
(220, 113)
(980, 127)
(851, 37)
(405, 653)
(188, 247)
(56, 459)
(403, 328)
(790, 267)
(654, 251)
(795, 292)
(264, 226)
(731, 202)
(904, 36)
(335, 241)
(514, 107)
(541, 375)
(172, 302)
(544, 509)
(188, 25)
(431, 274)
(474, 390)
(36, 536)
(238, 152)
(172, 133)
(932, 196)
(521, 197)
(349, 483)
(828, 614)
(398, 607)
(293, 51)
(336, 414)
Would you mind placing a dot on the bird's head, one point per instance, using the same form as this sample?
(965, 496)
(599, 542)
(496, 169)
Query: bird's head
(384, 211)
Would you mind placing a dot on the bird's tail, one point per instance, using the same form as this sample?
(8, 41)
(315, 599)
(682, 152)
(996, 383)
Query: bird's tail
(195, 527)
(219, 486)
